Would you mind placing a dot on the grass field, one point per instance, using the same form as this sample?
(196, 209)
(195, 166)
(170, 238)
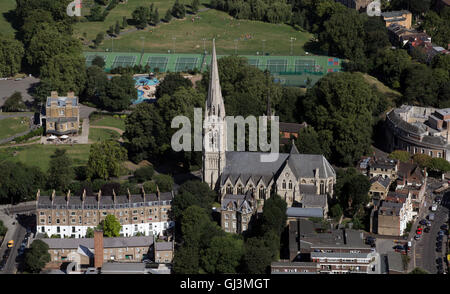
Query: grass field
(13, 125)
(108, 121)
(188, 34)
(39, 155)
(97, 135)
(5, 26)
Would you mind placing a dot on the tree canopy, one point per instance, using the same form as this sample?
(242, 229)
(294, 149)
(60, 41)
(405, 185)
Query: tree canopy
(105, 159)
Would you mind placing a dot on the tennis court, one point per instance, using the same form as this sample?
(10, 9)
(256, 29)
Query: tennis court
(305, 65)
(159, 62)
(124, 61)
(185, 64)
(91, 58)
(277, 65)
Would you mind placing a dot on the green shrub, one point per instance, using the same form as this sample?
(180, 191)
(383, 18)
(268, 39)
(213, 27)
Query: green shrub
(144, 174)
(150, 187)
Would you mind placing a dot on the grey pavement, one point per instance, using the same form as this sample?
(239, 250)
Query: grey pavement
(8, 87)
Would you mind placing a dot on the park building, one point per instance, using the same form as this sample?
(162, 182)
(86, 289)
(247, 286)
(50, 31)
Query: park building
(70, 216)
(62, 114)
(243, 180)
(419, 130)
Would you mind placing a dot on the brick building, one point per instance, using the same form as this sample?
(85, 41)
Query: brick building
(164, 252)
(71, 216)
(62, 114)
(83, 250)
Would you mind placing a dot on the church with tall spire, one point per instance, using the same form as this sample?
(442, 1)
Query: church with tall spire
(243, 181)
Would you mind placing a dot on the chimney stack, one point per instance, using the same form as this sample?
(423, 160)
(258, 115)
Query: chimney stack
(54, 94)
(68, 197)
(53, 196)
(98, 248)
(70, 95)
(83, 197)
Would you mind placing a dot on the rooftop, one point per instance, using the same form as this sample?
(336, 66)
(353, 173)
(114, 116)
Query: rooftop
(304, 212)
(123, 268)
(118, 242)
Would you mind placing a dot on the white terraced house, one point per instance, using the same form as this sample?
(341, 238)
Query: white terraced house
(71, 216)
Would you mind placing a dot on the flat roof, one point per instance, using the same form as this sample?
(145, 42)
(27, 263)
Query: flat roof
(123, 268)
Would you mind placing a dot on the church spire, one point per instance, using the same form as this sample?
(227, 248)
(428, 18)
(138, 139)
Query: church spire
(294, 149)
(214, 103)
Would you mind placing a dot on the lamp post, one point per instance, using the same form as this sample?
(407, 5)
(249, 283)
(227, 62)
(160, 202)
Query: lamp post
(292, 44)
(173, 39)
(143, 42)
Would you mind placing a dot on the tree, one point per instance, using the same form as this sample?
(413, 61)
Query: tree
(144, 174)
(418, 271)
(223, 255)
(65, 72)
(193, 222)
(168, 16)
(192, 193)
(105, 159)
(117, 29)
(99, 39)
(308, 141)
(149, 187)
(400, 155)
(3, 229)
(119, 94)
(352, 190)
(156, 18)
(98, 61)
(14, 103)
(389, 66)
(178, 10)
(337, 106)
(257, 256)
(419, 85)
(124, 22)
(140, 17)
(37, 256)
(274, 215)
(144, 129)
(164, 182)
(343, 35)
(110, 226)
(11, 52)
(195, 4)
(171, 83)
(19, 182)
(96, 14)
(60, 171)
(89, 233)
(96, 84)
(186, 260)
(336, 211)
(440, 165)
(423, 160)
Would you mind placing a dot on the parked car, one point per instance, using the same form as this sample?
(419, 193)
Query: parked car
(419, 231)
(439, 238)
(431, 217)
(426, 230)
(10, 243)
(439, 260)
(417, 237)
(438, 249)
(441, 233)
(398, 248)
(423, 222)
(444, 227)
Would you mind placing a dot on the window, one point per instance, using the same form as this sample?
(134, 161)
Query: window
(57, 220)
(61, 112)
(42, 213)
(104, 213)
(87, 214)
(226, 224)
(283, 185)
(240, 189)
(73, 229)
(431, 153)
(135, 218)
(72, 213)
(290, 185)
(229, 189)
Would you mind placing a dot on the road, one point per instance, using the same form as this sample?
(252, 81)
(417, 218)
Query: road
(17, 233)
(425, 249)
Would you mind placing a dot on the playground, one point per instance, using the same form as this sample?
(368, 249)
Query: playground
(146, 88)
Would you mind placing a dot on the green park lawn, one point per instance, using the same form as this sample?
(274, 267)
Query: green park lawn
(5, 26)
(13, 125)
(39, 155)
(97, 135)
(188, 35)
(107, 121)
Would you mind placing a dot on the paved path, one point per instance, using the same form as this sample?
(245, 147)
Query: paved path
(109, 128)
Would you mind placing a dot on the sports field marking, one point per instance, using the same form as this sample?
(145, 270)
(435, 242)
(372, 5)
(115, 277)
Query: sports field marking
(277, 65)
(159, 62)
(305, 65)
(91, 58)
(185, 64)
(124, 61)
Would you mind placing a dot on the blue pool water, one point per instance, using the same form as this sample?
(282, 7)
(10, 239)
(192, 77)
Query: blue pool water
(140, 81)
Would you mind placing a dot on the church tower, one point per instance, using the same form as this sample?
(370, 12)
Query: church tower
(214, 128)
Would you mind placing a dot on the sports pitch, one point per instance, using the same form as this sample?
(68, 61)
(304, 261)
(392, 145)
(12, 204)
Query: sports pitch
(288, 70)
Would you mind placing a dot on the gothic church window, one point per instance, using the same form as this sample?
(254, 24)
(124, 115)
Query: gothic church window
(283, 186)
(290, 185)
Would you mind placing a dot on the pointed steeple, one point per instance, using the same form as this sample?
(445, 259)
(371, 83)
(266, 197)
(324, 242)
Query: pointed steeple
(214, 103)
(294, 149)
